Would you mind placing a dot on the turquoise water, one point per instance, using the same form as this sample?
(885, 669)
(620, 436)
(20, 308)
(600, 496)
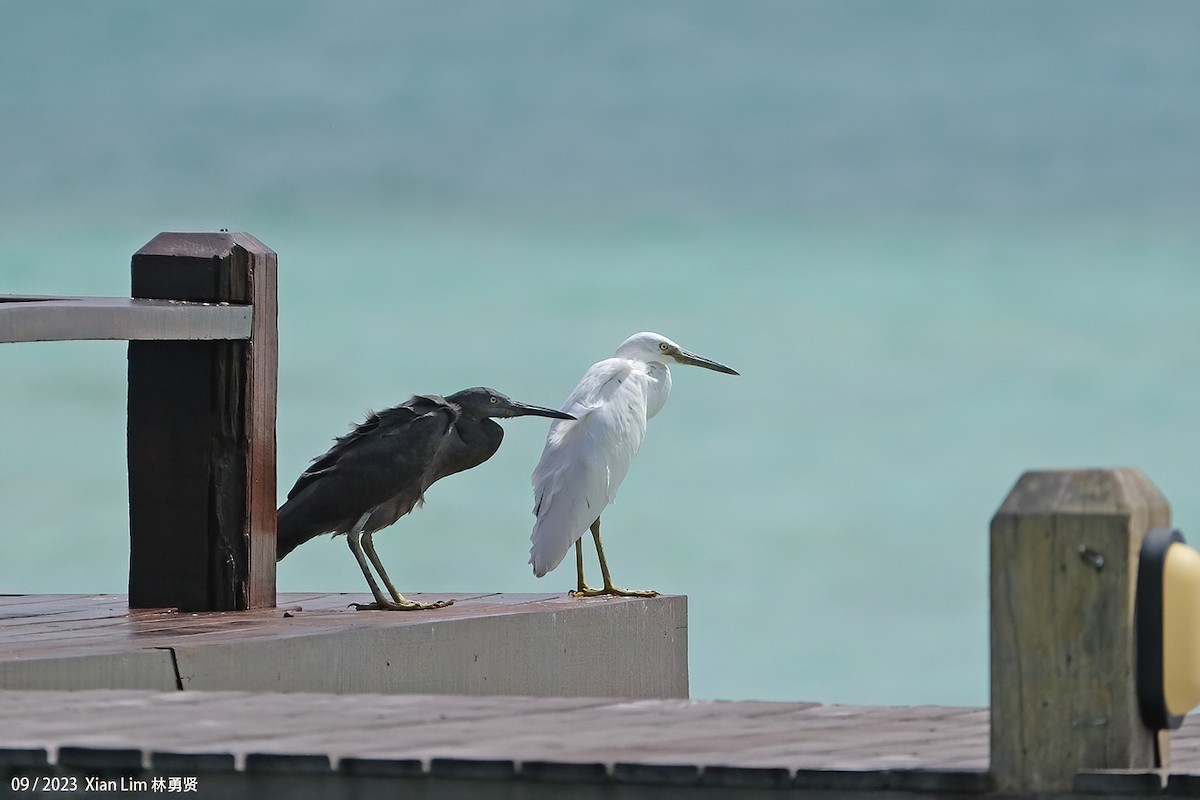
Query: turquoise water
(942, 242)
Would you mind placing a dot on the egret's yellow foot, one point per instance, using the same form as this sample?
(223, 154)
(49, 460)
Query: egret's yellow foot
(614, 591)
(609, 589)
(581, 588)
(632, 592)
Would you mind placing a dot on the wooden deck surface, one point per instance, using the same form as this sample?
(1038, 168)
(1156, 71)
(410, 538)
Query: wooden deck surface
(510, 729)
(346, 738)
(932, 750)
(524, 644)
(37, 626)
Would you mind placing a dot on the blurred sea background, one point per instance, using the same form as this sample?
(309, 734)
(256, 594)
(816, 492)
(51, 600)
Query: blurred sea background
(943, 242)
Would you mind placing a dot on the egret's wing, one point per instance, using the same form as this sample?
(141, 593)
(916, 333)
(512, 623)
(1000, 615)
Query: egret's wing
(378, 462)
(586, 459)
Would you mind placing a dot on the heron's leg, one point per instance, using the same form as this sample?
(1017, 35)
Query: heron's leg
(368, 543)
(352, 538)
(401, 602)
(381, 603)
(609, 588)
(583, 589)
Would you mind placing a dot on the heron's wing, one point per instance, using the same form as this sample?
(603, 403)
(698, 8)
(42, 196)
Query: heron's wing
(379, 462)
(390, 421)
(586, 459)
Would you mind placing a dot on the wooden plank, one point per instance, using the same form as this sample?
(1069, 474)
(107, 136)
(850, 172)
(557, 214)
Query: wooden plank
(1064, 548)
(483, 644)
(202, 433)
(28, 319)
(694, 732)
(633, 648)
(407, 726)
(260, 266)
(827, 744)
(149, 668)
(279, 729)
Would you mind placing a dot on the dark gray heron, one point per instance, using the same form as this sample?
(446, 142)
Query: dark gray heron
(381, 469)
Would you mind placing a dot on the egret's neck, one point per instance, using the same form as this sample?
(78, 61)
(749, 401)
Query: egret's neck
(660, 387)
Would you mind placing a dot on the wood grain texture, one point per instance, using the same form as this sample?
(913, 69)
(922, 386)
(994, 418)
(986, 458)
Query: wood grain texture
(1064, 549)
(260, 265)
(613, 732)
(201, 433)
(419, 745)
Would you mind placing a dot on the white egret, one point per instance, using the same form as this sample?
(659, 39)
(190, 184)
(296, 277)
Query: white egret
(586, 458)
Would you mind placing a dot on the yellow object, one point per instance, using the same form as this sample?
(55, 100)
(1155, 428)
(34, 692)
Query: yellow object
(1168, 629)
(1181, 629)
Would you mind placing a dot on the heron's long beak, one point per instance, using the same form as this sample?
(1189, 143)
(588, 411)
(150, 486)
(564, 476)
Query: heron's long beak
(524, 410)
(684, 357)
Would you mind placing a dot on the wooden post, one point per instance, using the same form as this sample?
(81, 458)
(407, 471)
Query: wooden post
(202, 433)
(1064, 555)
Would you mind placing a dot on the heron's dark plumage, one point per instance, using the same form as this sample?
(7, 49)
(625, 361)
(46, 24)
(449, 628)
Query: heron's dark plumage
(384, 465)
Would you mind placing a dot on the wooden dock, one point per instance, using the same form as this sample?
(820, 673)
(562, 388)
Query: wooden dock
(244, 744)
(528, 644)
(197, 675)
(333, 702)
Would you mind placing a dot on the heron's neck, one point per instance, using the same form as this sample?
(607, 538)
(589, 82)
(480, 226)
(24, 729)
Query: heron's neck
(659, 388)
(482, 439)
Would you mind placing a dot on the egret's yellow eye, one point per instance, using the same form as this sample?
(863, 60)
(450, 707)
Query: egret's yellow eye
(664, 347)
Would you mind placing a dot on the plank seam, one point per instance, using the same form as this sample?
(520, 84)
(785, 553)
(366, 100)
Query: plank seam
(174, 667)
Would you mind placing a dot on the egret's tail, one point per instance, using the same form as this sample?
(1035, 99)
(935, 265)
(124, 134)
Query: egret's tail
(556, 529)
(571, 485)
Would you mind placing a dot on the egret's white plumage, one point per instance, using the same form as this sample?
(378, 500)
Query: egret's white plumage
(586, 459)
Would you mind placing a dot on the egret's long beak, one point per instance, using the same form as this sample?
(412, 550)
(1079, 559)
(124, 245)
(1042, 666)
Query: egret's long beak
(684, 357)
(525, 410)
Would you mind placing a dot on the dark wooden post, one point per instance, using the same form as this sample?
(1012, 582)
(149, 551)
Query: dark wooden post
(202, 433)
(1064, 557)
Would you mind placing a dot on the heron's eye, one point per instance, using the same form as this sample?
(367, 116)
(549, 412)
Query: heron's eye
(492, 400)
(663, 346)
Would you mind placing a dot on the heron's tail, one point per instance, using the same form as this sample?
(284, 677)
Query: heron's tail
(293, 529)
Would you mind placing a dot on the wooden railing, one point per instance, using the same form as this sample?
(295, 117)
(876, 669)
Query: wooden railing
(201, 326)
(57, 319)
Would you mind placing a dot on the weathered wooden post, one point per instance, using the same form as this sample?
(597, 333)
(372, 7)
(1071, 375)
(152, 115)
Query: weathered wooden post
(201, 433)
(1064, 557)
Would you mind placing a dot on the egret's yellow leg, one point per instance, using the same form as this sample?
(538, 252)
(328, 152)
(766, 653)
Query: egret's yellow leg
(381, 603)
(583, 589)
(608, 584)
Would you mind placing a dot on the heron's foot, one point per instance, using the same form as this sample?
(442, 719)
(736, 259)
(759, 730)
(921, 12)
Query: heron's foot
(403, 605)
(614, 591)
